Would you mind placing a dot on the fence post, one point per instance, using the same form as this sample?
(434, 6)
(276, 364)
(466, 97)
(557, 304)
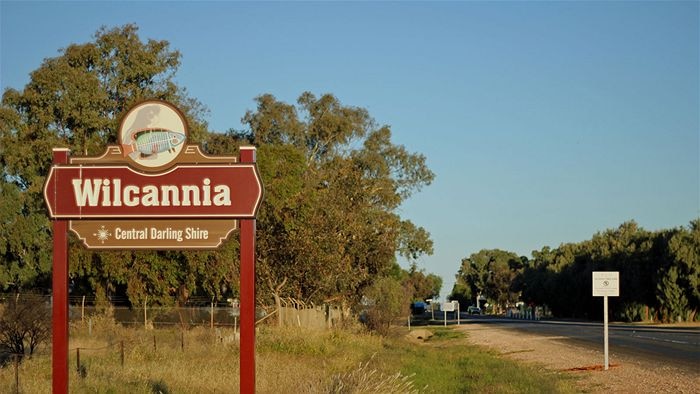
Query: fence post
(211, 322)
(329, 316)
(121, 349)
(77, 360)
(16, 357)
(182, 340)
(82, 312)
(154, 344)
(283, 312)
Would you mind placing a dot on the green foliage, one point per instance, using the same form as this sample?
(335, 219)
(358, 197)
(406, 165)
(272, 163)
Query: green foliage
(333, 182)
(444, 334)
(461, 292)
(488, 273)
(658, 274)
(419, 285)
(386, 301)
(75, 100)
(447, 364)
(25, 261)
(673, 300)
(413, 241)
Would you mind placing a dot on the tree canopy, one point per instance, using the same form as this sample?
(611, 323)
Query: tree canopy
(334, 181)
(659, 274)
(488, 273)
(75, 100)
(329, 225)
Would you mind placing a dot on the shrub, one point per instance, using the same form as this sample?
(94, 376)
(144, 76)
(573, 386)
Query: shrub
(25, 323)
(386, 301)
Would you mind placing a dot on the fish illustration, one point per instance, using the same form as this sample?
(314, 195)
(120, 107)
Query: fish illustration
(151, 141)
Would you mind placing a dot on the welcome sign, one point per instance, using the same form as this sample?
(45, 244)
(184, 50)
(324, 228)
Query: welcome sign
(152, 191)
(153, 173)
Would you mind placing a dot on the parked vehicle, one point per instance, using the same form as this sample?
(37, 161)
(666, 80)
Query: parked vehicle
(474, 310)
(418, 308)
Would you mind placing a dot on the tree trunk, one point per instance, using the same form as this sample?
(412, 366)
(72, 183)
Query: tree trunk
(278, 301)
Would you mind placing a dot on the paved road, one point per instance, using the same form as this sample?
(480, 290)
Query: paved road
(670, 345)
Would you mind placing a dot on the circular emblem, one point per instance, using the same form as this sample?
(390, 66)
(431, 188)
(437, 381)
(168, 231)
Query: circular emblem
(152, 134)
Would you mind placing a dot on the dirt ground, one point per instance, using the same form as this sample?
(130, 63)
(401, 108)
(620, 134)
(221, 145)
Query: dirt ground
(626, 374)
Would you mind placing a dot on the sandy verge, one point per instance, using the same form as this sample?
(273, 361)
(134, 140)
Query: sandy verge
(626, 375)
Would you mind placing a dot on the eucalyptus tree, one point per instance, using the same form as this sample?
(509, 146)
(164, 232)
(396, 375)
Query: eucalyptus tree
(334, 181)
(489, 273)
(75, 100)
(659, 274)
(678, 288)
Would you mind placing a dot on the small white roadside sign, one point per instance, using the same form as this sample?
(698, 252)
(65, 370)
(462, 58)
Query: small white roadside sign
(606, 283)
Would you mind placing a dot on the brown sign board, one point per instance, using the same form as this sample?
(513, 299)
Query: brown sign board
(153, 234)
(119, 191)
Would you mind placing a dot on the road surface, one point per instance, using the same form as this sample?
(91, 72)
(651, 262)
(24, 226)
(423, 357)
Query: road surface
(678, 346)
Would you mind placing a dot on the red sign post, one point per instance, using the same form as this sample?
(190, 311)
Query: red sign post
(153, 175)
(247, 351)
(59, 307)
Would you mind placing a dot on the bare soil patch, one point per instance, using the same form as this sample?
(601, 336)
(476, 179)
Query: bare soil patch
(626, 374)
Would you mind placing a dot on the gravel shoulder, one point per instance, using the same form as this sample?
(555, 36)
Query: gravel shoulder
(626, 375)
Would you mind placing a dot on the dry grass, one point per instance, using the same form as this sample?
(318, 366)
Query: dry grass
(303, 361)
(368, 380)
(287, 360)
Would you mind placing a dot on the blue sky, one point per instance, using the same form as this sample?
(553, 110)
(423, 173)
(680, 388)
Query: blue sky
(544, 122)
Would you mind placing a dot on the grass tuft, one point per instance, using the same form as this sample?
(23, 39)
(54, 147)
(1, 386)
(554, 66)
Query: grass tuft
(159, 387)
(367, 380)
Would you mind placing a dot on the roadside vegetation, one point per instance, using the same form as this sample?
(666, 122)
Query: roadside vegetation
(303, 361)
(659, 276)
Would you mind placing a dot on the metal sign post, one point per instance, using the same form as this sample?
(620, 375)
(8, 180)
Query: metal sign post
(456, 304)
(605, 331)
(606, 283)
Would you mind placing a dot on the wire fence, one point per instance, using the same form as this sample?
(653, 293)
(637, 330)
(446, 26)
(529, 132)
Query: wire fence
(197, 311)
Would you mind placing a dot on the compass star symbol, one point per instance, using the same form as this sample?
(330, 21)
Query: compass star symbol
(102, 234)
